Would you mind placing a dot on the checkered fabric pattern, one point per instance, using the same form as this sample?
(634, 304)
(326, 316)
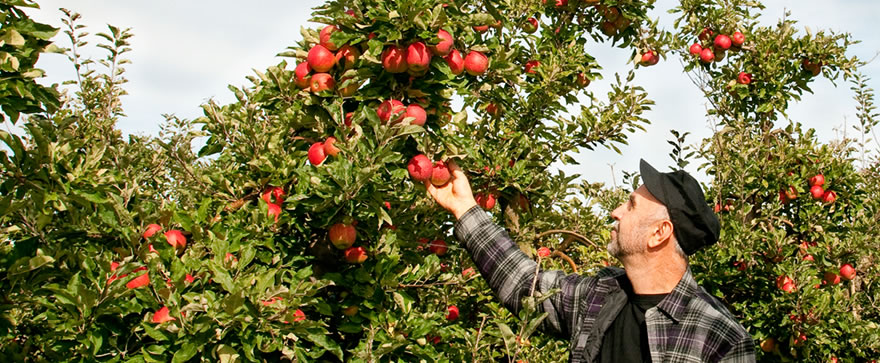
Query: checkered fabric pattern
(689, 325)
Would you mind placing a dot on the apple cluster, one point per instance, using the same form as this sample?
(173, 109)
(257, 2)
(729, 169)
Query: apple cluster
(720, 44)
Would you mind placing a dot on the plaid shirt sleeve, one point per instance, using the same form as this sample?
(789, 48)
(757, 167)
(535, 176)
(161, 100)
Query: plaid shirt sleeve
(510, 272)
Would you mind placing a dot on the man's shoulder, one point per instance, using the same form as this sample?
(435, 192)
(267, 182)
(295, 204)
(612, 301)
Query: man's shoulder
(707, 309)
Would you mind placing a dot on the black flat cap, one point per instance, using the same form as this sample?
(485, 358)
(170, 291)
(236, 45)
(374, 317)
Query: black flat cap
(694, 224)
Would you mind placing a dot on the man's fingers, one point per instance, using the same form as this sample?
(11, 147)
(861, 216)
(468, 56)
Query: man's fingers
(456, 171)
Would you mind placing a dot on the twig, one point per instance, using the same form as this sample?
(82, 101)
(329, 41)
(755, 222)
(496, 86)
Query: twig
(567, 259)
(571, 233)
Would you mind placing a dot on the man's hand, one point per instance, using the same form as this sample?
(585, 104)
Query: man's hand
(456, 195)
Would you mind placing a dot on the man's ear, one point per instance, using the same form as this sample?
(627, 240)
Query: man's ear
(662, 234)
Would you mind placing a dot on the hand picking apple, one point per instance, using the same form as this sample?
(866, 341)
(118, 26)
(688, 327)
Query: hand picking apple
(663, 222)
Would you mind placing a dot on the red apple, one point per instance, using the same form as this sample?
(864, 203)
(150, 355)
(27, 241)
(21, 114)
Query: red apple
(530, 26)
(355, 255)
(706, 34)
(817, 192)
(347, 56)
(847, 272)
(317, 155)
(818, 179)
(175, 238)
(440, 174)
(443, 48)
(140, 281)
(530, 65)
(420, 168)
(707, 55)
(452, 313)
(740, 265)
(274, 211)
(768, 345)
(417, 113)
(151, 230)
(350, 88)
(455, 62)
(322, 82)
(342, 235)
(325, 37)
(481, 28)
(649, 58)
(476, 63)
(738, 39)
(785, 283)
(394, 59)
(321, 59)
(350, 311)
(608, 28)
(468, 272)
(330, 146)
(696, 49)
(418, 58)
(744, 78)
(582, 80)
(809, 257)
(348, 117)
(829, 197)
(800, 339)
(544, 252)
(722, 42)
(161, 316)
(189, 279)
(485, 200)
(438, 247)
(390, 108)
(830, 278)
(813, 68)
(493, 110)
(302, 75)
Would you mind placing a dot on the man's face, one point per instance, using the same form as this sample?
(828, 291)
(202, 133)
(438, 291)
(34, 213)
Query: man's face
(635, 218)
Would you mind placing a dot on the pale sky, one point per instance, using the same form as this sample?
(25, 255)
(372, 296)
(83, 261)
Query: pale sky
(186, 52)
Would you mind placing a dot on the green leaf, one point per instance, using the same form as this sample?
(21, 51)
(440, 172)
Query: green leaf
(187, 351)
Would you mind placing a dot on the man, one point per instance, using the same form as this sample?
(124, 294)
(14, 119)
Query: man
(650, 311)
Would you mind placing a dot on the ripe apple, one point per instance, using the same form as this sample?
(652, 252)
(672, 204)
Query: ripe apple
(830, 278)
(531, 65)
(322, 82)
(151, 230)
(800, 339)
(330, 146)
(649, 58)
(485, 200)
(707, 55)
(317, 155)
(493, 110)
(161, 316)
(738, 39)
(813, 68)
(608, 28)
(140, 281)
(744, 78)
(274, 211)
(740, 265)
(476, 63)
(443, 48)
(818, 179)
(696, 49)
(544, 252)
(768, 345)
(175, 238)
(355, 255)
(847, 271)
(347, 56)
(481, 28)
(817, 191)
(394, 59)
(348, 117)
(417, 113)
(706, 34)
(722, 42)
(391, 108)
(452, 313)
(321, 59)
(468, 272)
(350, 311)
(299, 315)
(420, 168)
(350, 88)
(440, 173)
(455, 62)
(302, 75)
(324, 37)
(530, 26)
(582, 80)
(785, 283)
(438, 247)
(829, 197)
(418, 58)
(342, 235)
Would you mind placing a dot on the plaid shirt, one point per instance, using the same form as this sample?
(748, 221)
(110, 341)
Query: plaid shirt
(689, 325)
